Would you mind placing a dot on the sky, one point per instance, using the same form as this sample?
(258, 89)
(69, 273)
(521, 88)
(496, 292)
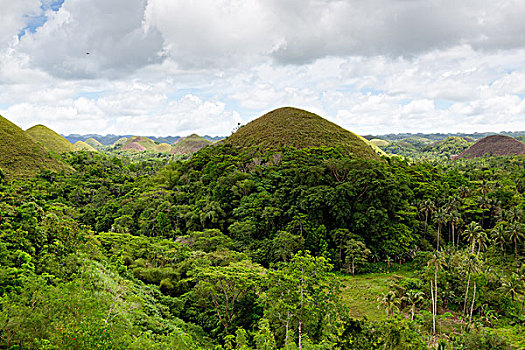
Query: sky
(175, 67)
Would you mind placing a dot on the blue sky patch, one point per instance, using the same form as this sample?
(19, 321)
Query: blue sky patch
(35, 22)
(442, 104)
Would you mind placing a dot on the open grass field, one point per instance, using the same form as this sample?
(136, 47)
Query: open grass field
(360, 293)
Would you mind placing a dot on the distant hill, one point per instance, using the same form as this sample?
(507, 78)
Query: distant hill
(119, 143)
(440, 136)
(138, 143)
(93, 143)
(84, 146)
(451, 146)
(379, 142)
(495, 145)
(190, 144)
(300, 129)
(20, 155)
(50, 139)
(162, 148)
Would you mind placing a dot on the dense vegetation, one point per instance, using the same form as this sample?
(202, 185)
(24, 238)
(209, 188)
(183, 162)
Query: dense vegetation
(242, 248)
(308, 241)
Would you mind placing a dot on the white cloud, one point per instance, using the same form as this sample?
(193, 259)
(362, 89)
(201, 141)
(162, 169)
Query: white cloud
(174, 67)
(90, 39)
(14, 19)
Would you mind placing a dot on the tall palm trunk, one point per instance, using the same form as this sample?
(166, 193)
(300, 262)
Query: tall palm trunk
(472, 305)
(438, 235)
(453, 227)
(433, 307)
(466, 294)
(300, 319)
(436, 291)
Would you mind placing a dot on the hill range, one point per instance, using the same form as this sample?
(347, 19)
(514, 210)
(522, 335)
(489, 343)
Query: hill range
(21, 156)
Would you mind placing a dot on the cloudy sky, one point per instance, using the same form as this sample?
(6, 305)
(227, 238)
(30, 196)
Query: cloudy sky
(173, 67)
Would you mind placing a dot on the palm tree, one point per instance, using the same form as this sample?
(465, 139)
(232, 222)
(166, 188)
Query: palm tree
(389, 301)
(499, 235)
(512, 287)
(413, 298)
(427, 207)
(516, 232)
(440, 217)
(513, 214)
(453, 219)
(471, 264)
(435, 262)
(482, 240)
(472, 232)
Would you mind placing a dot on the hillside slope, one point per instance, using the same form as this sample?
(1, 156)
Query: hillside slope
(495, 145)
(50, 139)
(20, 155)
(300, 129)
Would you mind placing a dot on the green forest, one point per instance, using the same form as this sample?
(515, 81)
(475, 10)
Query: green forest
(264, 248)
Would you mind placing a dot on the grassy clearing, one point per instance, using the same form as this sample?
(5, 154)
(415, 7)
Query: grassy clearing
(360, 293)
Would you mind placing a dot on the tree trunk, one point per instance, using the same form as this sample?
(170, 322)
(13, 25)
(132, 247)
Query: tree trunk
(453, 229)
(472, 305)
(466, 294)
(438, 235)
(433, 308)
(353, 267)
(436, 295)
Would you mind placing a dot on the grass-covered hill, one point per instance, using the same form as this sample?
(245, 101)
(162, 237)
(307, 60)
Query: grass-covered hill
(50, 139)
(299, 129)
(379, 142)
(20, 155)
(162, 148)
(190, 144)
(495, 145)
(84, 146)
(93, 143)
(119, 143)
(451, 146)
(138, 143)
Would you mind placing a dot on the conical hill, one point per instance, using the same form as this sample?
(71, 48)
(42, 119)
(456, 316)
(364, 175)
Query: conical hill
(84, 146)
(300, 129)
(50, 139)
(20, 155)
(94, 143)
(494, 145)
(190, 144)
